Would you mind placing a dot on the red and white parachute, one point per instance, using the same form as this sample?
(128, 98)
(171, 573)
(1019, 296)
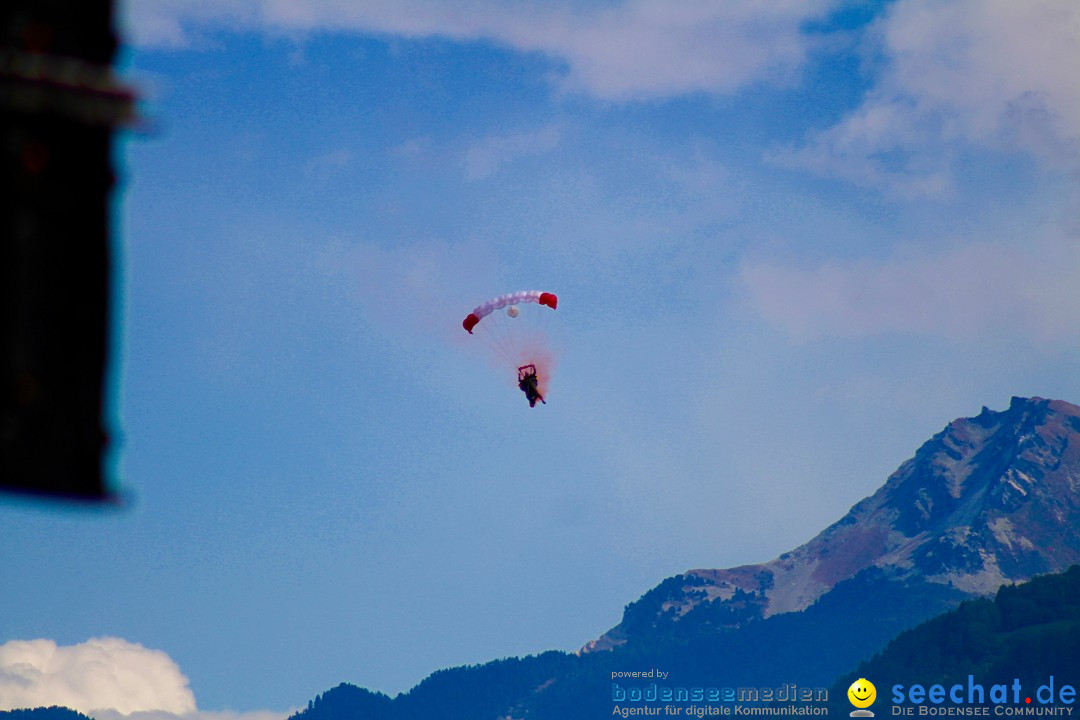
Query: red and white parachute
(517, 340)
(524, 296)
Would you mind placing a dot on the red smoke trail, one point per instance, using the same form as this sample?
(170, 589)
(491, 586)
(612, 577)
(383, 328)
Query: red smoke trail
(536, 350)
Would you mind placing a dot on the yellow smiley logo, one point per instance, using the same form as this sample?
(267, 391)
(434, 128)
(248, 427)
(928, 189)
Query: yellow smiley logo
(862, 693)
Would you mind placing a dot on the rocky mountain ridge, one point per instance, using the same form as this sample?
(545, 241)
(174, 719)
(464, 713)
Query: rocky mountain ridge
(989, 500)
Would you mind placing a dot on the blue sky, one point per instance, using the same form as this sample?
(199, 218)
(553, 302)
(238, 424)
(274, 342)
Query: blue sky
(790, 240)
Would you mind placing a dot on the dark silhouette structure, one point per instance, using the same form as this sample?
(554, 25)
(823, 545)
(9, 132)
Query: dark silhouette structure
(59, 107)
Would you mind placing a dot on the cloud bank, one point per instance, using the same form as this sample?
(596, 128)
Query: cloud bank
(954, 73)
(108, 678)
(990, 74)
(636, 49)
(101, 673)
(964, 292)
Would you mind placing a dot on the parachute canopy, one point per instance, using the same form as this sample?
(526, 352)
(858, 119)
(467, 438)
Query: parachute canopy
(525, 296)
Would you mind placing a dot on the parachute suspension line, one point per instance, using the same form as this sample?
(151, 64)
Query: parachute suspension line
(544, 324)
(497, 336)
(533, 337)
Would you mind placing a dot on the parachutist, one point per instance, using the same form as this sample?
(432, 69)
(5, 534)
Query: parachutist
(512, 335)
(527, 382)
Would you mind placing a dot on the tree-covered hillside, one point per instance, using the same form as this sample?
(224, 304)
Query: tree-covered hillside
(43, 713)
(1029, 631)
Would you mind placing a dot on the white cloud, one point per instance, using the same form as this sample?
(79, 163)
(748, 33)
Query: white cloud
(108, 678)
(968, 291)
(101, 673)
(414, 148)
(958, 73)
(484, 157)
(618, 50)
(426, 287)
(328, 164)
(196, 715)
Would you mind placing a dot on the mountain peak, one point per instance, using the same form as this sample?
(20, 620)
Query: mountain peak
(989, 500)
